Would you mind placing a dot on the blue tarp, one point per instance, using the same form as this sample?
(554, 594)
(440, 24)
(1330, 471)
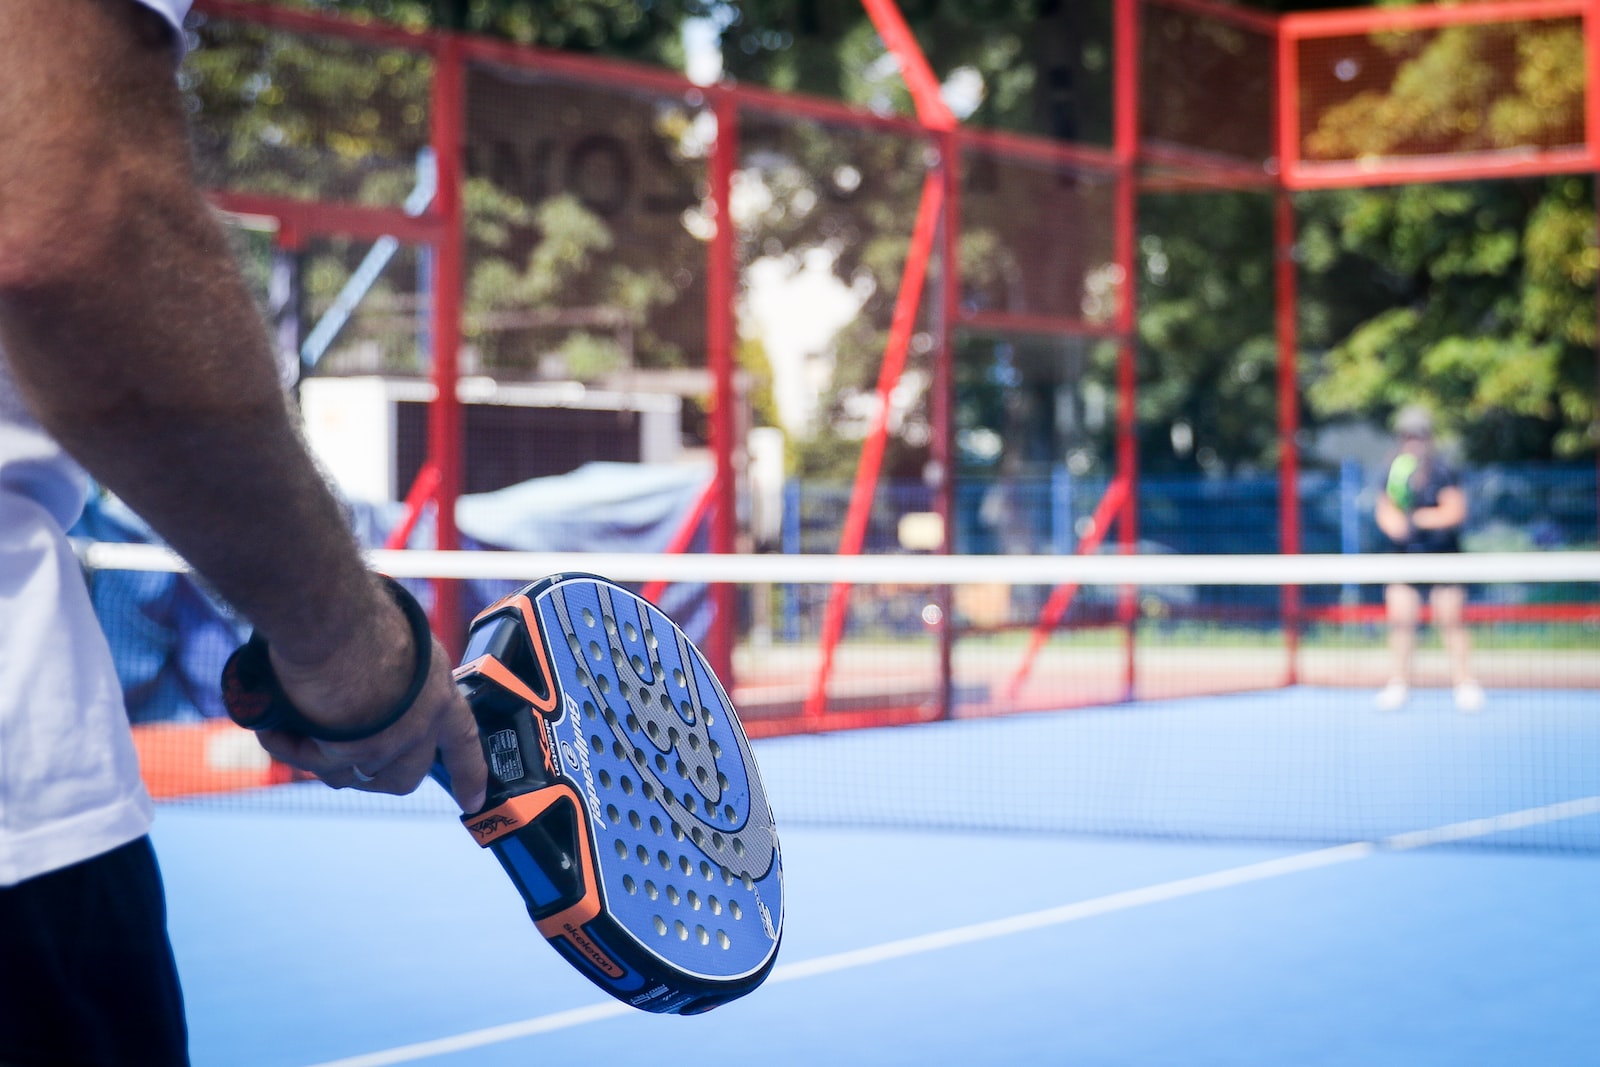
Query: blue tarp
(169, 637)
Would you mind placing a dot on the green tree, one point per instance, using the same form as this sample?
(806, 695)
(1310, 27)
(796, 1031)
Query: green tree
(1481, 307)
(1207, 340)
(1475, 298)
(1480, 298)
(561, 279)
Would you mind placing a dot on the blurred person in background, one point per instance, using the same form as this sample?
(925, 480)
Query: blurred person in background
(1422, 508)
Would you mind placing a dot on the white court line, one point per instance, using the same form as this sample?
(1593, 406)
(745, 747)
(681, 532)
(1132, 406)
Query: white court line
(1516, 820)
(492, 1035)
(1067, 913)
(986, 931)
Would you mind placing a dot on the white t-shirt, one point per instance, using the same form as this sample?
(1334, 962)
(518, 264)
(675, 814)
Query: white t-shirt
(69, 776)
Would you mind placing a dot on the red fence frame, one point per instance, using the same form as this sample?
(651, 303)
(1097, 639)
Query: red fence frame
(441, 228)
(1300, 174)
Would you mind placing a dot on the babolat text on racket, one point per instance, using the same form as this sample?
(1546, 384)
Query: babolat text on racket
(624, 801)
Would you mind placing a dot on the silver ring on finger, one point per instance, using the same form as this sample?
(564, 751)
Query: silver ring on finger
(358, 775)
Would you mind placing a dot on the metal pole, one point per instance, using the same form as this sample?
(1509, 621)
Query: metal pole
(1288, 425)
(943, 451)
(720, 276)
(445, 446)
(1591, 51)
(1126, 149)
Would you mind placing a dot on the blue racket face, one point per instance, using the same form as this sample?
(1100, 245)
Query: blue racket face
(686, 856)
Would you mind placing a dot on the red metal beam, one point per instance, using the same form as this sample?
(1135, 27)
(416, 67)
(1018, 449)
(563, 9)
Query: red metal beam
(1060, 602)
(308, 218)
(1369, 20)
(1035, 149)
(873, 718)
(1287, 304)
(684, 536)
(1591, 99)
(907, 302)
(757, 98)
(301, 21)
(1024, 322)
(1457, 167)
(1193, 168)
(422, 491)
(1259, 21)
(721, 251)
(1173, 182)
(595, 70)
(1591, 87)
(1287, 104)
(886, 18)
(943, 451)
(1374, 614)
(445, 447)
(1126, 25)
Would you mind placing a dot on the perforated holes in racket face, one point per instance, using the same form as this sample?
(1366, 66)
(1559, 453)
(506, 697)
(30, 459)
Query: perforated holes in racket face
(688, 859)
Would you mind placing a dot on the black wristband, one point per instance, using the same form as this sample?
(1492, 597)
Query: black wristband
(255, 699)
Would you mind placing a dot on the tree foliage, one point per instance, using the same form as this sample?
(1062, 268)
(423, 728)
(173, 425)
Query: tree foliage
(1480, 301)
(1481, 306)
(1476, 298)
(563, 277)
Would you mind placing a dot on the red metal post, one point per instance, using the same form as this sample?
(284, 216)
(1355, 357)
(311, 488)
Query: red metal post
(1125, 146)
(307, 217)
(1449, 167)
(311, 24)
(1361, 21)
(444, 416)
(422, 491)
(682, 537)
(1591, 51)
(942, 452)
(720, 272)
(1060, 602)
(907, 302)
(914, 69)
(1287, 299)
(1287, 102)
(1591, 87)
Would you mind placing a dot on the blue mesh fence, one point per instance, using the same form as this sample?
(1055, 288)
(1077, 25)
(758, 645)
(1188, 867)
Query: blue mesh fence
(1527, 507)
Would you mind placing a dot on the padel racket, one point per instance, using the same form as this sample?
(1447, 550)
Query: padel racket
(624, 801)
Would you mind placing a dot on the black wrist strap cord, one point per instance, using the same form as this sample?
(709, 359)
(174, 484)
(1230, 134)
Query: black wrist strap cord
(255, 698)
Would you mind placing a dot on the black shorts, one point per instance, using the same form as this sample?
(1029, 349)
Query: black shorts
(88, 968)
(1425, 589)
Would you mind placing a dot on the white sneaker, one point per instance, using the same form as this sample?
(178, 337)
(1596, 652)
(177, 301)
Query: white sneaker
(1393, 696)
(1469, 696)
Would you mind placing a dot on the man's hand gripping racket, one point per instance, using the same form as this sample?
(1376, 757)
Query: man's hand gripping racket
(624, 801)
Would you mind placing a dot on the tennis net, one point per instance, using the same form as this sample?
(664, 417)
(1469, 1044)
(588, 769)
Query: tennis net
(1226, 697)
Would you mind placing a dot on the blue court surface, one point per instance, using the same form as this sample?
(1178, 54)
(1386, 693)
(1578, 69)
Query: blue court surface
(322, 935)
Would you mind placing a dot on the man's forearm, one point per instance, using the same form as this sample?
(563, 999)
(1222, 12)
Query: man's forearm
(136, 345)
(181, 416)
(134, 341)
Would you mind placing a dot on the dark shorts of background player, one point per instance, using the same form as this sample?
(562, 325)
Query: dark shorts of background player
(1425, 589)
(87, 967)
(1438, 543)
